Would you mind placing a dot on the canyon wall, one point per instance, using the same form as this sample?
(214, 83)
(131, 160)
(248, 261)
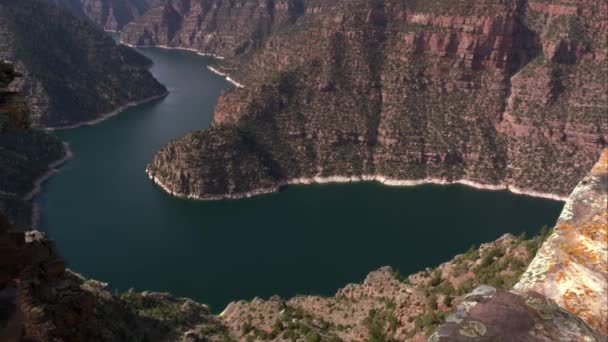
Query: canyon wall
(501, 93)
(72, 71)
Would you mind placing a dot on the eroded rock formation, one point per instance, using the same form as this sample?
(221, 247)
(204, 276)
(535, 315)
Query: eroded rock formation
(40, 300)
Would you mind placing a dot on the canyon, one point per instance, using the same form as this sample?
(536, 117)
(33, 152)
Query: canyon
(492, 94)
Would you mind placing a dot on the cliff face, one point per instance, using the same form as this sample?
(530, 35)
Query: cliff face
(506, 93)
(72, 72)
(110, 15)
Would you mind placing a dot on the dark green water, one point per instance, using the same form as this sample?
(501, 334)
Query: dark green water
(111, 223)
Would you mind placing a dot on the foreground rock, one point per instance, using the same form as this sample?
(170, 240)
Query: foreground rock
(488, 314)
(72, 71)
(497, 93)
(572, 266)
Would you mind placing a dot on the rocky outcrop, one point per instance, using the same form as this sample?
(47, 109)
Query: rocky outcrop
(495, 93)
(571, 268)
(72, 72)
(111, 15)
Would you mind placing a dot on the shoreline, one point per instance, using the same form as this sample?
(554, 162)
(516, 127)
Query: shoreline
(165, 47)
(108, 115)
(365, 178)
(52, 168)
(228, 78)
(211, 68)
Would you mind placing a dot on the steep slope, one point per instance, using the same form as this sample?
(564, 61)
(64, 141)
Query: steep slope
(72, 72)
(25, 154)
(111, 15)
(499, 93)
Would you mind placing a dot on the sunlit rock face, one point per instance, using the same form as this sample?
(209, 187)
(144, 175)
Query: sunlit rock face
(572, 266)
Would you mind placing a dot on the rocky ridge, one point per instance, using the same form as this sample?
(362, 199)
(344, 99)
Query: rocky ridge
(497, 94)
(96, 78)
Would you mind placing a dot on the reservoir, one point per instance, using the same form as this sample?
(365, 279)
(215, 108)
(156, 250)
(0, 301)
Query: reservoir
(111, 223)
